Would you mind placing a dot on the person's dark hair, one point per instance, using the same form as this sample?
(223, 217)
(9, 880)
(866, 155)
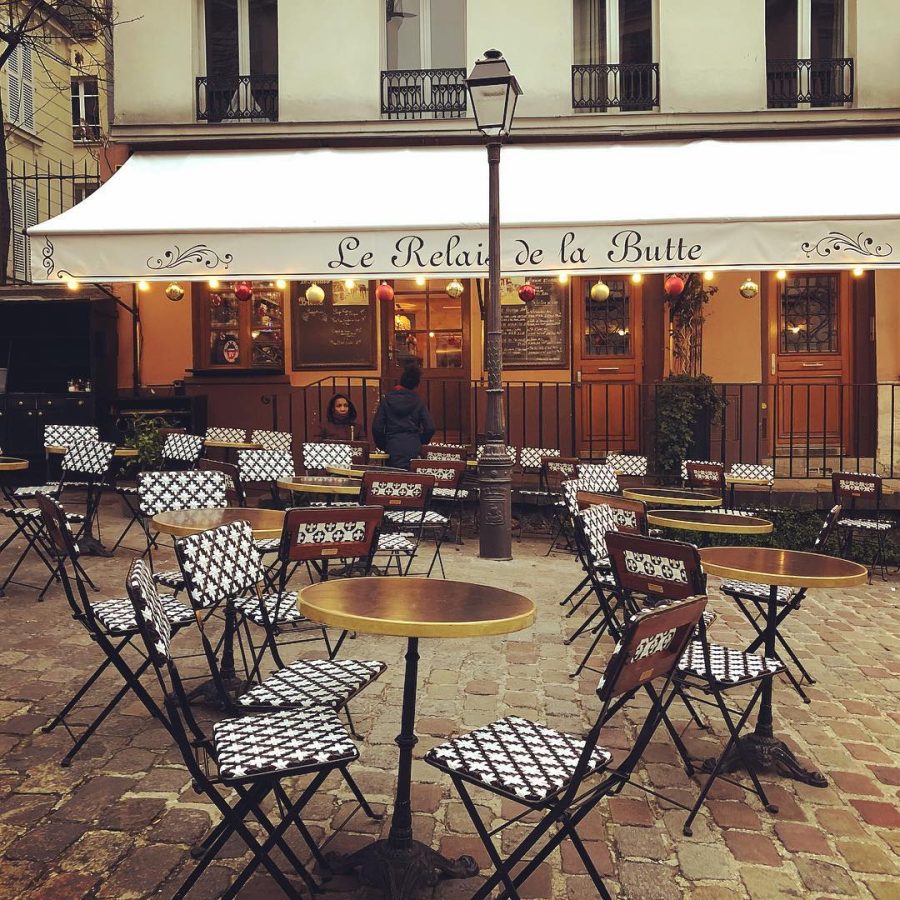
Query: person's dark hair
(351, 410)
(411, 377)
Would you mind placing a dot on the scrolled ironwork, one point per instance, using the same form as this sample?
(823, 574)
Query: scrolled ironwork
(47, 254)
(818, 82)
(228, 98)
(626, 86)
(423, 93)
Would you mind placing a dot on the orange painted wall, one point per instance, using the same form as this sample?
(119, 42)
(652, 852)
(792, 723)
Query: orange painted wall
(731, 332)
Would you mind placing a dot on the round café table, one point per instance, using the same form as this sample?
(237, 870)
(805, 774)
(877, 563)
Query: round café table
(265, 523)
(359, 471)
(672, 497)
(120, 452)
(704, 520)
(321, 484)
(10, 464)
(412, 608)
(788, 568)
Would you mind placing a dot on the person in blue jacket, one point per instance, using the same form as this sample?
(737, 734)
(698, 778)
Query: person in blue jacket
(402, 422)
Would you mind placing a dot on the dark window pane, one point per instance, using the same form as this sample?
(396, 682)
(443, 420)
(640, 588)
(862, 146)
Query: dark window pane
(607, 325)
(827, 37)
(635, 31)
(590, 32)
(809, 305)
(781, 29)
(263, 37)
(221, 38)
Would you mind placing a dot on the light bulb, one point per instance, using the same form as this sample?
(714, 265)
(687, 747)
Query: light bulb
(420, 280)
(708, 276)
(72, 284)
(563, 277)
(858, 271)
(431, 334)
(349, 284)
(636, 278)
(781, 274)
(143, 285)
(281, 284)
(214, 283)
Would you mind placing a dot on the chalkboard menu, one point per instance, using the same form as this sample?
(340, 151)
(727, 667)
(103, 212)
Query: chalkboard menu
(339, 332)
(535, 334)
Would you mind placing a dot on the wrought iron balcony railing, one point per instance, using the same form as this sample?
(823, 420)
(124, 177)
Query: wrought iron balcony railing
(818, 82)
(625, 86)
(423, 93)
(230, 98)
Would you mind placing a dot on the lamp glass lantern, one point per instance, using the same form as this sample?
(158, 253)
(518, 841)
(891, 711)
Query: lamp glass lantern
(493, 91)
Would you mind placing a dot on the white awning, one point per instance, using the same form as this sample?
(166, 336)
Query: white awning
(665, 206)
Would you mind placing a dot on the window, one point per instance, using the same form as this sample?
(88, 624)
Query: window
(607, 325)
(613, 55)
(85, 110)
(809, 314)
(240, 44)
(21, 87)
(24, 215)
(83, 189)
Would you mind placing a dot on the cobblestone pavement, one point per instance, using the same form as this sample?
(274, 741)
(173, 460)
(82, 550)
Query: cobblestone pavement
(117, 824)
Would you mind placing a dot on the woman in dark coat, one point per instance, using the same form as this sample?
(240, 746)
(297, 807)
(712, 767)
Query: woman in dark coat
(402, 423)
(340, 421)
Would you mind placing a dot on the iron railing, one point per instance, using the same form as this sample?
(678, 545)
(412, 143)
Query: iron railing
(818, 82)
(423, 93)
(626, 86)
(228, 98)
(805, 430)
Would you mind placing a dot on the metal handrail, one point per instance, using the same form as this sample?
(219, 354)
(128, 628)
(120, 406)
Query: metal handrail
(629, 87)
(228, 98)
(423, 93)
(817, 82)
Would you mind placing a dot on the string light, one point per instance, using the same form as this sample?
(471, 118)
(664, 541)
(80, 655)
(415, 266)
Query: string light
(781, 274)
(281, 284)
(420, 280)
(636, 278)
(214, 284)
(73, 284)
(349, 284)
(143, 285)
(858, 271)
(708, 276)
(563, 277)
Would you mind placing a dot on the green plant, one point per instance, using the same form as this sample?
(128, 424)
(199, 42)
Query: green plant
(686, 324)
(681, 402)
(145, 437)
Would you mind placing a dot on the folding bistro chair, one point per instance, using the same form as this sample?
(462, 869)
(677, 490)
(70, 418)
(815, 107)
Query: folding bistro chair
(110, 623)
(560, 775)
(404, 497)
(627, 464)
(752, 600)
(234, 490)
(705, 476)
(226, 435)
(266, 468)
(245, 759)
(448, 476)
(762, 474)
(182, 451)
(445, 452)
(847, 490)
(317, 456)
(272, 440)
(661, 571)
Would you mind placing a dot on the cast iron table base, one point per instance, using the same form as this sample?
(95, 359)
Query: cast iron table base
(767, 754)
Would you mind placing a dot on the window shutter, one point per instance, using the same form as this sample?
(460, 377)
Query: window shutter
(12, 70)
(18, 239)
(27, 89)
(31, 218)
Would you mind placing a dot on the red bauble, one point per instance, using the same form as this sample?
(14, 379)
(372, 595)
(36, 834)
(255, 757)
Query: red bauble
(384, 292)
(526, 292)
(243, 291)
(673, 285)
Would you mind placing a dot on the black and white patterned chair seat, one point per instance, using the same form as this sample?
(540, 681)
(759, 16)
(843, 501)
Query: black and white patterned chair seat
(267, 545)
(395, 543)
(31, 491)
(757, 591)
(628, 464)
(130, 489)
(597, 521)
(182, 447)
(272, 440)
(729, 666)
(321, 455)
(280, 742)
(346, 504)
(452, 493)
(531, 457)
(118, 616)
(33, 513)
(866, 524)
(329, 683)
(170, 578)
(753, 470)
(281, 609)
(228, 435)
(522, 759)
(67, 435)
(168, 491)
(414, 516)
(256, 466)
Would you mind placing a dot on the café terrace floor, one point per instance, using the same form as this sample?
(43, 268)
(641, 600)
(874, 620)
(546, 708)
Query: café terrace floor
(117, 824)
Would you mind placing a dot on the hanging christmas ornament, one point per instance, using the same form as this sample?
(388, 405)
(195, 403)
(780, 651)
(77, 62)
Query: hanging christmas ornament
(455, 289)
(215, 300)
(384, 292)
(599, 292)
(174, 292)
(749, 289)
(673, 285)
(526, 292)
(314, 295)
(243, 291)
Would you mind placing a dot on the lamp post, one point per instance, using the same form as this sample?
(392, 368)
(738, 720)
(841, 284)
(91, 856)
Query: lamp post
(493, 91)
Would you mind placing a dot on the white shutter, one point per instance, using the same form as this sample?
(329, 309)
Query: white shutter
(18, 223)
(12, 71)
(31, 218)
(27, 89)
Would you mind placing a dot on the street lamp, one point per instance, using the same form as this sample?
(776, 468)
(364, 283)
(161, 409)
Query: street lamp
(493, 90)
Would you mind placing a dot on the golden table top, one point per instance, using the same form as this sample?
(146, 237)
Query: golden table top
(672, 496)
(416, 607)
(320, 484)
(121, 452)
(734, 479)
(12, 464)
(233, 445)
(378, 454)
(718, 522)
(789, 568)
(265, 523)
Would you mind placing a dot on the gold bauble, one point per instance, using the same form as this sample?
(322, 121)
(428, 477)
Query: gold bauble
(599, 292)
(749, 289)
(455, 289)
(175, 292)
(314, 295)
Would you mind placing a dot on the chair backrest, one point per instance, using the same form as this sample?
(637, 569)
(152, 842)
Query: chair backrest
(557, 469)
(592, 527)
(166, 491)
(53, 516)
(330, 532)
(531, 458)
(264, 466)
(630, 515)
(848, 487)
(396, 490)
(444, 452)
(184, 448)
(272, 440)
(627, 464)
(704, 475)
(360, 455)
(66, 435)
(656, 568)
(447, 473)
(88, 459)
(219, 564)
(753, 470)
(834, 514)
(600, 479)
(318, 455)
(234, 490)
(231, 435)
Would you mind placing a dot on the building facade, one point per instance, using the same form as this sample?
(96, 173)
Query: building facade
(808, 363)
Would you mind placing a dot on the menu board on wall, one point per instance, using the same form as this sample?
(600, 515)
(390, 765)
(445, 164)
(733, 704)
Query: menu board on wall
(339, 332)
(535, 334)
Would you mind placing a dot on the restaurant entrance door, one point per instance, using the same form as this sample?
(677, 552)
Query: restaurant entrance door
(608, 353)
(424, 324)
